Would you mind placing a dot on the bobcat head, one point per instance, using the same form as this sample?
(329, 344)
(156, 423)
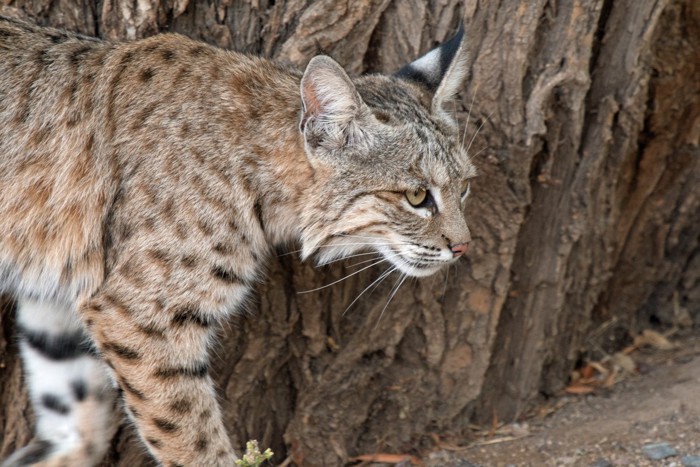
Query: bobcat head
(396, 176)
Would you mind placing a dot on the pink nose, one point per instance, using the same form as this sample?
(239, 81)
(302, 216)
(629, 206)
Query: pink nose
(459, 249)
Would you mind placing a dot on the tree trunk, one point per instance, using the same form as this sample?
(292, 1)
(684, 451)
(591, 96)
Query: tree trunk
(585, 214)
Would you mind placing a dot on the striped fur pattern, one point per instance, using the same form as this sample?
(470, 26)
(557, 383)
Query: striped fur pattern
(142, 186)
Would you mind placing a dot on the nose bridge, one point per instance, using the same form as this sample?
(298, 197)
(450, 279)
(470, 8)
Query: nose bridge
(455, 227)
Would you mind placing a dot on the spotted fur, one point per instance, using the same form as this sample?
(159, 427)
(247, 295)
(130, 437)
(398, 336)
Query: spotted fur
(142, 186)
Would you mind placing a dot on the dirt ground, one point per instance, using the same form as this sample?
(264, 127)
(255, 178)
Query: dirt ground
(610, 427)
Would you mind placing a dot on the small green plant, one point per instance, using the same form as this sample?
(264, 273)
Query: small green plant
(253, 457)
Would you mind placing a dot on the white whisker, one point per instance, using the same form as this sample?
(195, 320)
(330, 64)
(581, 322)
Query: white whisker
(378, 280)
(368, 260)
(376, 254)
(338, 245)
(444, 289)
(469, 114)
(396, 289)
(478, 130)
(342, 278)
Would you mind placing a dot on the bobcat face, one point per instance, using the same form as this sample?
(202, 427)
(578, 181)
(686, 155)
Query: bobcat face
(394, 174)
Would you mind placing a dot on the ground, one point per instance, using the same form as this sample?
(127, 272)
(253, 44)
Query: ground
(610, 427)
(657, 402)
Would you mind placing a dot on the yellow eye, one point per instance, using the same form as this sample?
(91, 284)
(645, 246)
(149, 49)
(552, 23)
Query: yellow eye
(464, 189)
(416, 197)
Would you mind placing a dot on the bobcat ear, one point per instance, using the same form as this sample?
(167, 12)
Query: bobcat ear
(332, 105)
(442, 70)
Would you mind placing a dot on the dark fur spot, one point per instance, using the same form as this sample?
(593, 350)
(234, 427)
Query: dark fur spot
(206, 413)
(169, 209)
(90, 449)
(5, 34)
(165, 425)
(197, 51)
(198, 371)
(225, 275)
(42, 56)
(132, 390)
(122, 351)
(151, 331)
(206, 229)
(116, 303)
(175, 464)
(134, 413)
(61, 347)
(201, 443)
(190, 315)
(57, 38)
(78, 54)
(181, 406)
(127, 58)
(54, 404)
(160, 256)
(382, 116)
(146, 75)
(224, 249)
(96, 307)
(189, 261)
(167, 55)
(79, 389)
(35, 452)
(259, 214)
(154, 442)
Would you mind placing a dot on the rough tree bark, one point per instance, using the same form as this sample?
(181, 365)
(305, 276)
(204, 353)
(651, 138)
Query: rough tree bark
(586, 211)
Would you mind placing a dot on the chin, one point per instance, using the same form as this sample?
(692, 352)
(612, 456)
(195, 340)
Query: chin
(415, 271)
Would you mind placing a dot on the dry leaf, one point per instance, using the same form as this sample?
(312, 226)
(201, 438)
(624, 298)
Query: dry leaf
(625, 362)
(653, 339)
(579, 389)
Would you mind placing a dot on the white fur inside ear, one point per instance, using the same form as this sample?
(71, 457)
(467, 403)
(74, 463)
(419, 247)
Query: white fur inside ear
(333, 108)
(327, 92)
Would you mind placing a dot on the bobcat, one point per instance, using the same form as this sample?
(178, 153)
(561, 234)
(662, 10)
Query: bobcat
(142, 185)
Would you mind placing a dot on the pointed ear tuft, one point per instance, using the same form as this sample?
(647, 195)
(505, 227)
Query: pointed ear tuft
(442, 70)
(327, 93)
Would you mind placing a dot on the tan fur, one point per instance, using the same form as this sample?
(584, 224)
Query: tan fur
(145, 182)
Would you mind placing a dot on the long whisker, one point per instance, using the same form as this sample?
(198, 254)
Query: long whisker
(362, 237)
(374, 253)
(478, 130)
(480, 151)
(444, 289)
(469, 114)
(343, 278)
(346, 244)
(368, 260)
(377, 281)
(396, 289)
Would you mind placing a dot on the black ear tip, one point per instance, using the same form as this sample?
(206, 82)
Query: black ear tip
(431, 67)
